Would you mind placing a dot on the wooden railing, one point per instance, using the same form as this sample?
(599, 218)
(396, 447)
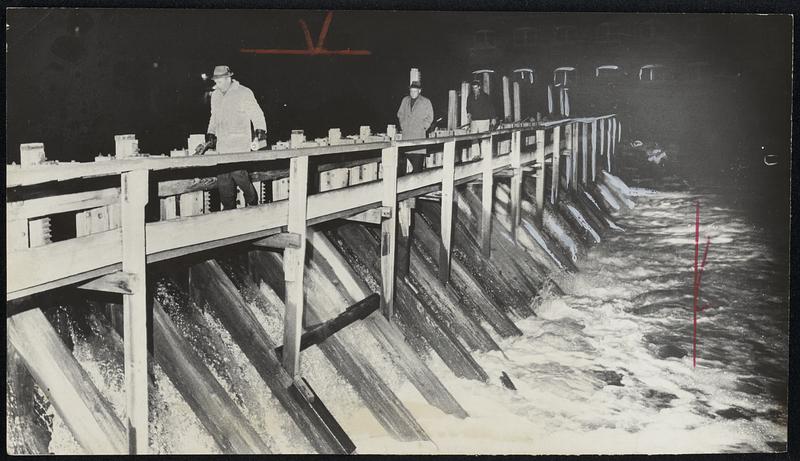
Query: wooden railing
(114, 242)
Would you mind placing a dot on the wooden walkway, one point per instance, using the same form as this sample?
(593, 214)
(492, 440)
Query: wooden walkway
(114, 241)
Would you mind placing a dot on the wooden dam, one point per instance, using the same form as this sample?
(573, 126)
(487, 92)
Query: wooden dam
(444, 255)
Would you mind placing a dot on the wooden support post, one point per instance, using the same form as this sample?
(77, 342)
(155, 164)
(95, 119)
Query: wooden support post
(388, 230)
(609, 137)
(568, 147)
(452, 110)
(39, 232)
(594, 150)
(69, 388)
(602, 139)
(574, 155)
(487, 146)
(506, 99)
(404, 211)
(556, 164)
(464, 98)
(584, 152)
(293, 264)
(517, 103)
(540, 140)
(134, 196)
(16, 234)
(516, 181)
(612, 142)
(448, 199)
(487, 82)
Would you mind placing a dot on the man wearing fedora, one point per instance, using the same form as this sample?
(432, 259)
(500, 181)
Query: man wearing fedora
(415, 115)
(233, 109)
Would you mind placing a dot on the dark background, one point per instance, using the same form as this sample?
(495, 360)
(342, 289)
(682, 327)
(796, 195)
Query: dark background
(77, 77)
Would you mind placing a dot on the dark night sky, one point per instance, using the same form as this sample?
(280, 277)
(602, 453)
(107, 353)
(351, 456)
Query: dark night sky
(75, 78)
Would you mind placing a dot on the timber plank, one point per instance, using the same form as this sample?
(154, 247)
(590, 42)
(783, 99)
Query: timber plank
(344, 355)
(212, 285)
(333, 264)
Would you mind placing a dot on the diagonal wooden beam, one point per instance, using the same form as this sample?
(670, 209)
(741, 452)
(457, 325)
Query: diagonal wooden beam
(115, 282)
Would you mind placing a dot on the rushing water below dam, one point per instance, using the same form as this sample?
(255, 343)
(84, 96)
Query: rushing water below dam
(604, 368)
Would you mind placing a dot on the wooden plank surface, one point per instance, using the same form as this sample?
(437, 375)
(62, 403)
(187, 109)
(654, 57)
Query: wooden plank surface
(328, 258)
(75, 398)
(205, 395)
(448, 198)
(487, 188)
(134, 198)
(389, 231)
(294, 265)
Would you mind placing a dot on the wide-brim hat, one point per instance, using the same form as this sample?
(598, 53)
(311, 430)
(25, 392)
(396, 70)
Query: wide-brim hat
(221, 71)
(415, 84)
(475, 81)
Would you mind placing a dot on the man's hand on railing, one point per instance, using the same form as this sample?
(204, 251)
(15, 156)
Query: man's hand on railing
(210, 144)
(260, 140)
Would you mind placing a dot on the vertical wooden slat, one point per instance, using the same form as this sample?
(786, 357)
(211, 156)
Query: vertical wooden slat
(448, 199)
(134, 196)
(293, 262)
(568, 146)
(403, 244)
(452, 110)
(556, 164)
(464, 95)
(517, 103)
(609, 137)
(516, 180)
(584, 152)
(540, 140)
(388, 230)
(506, 99)
(594, 150)
(612, 142)
(602, 139)
(487, 147)
(574, 155)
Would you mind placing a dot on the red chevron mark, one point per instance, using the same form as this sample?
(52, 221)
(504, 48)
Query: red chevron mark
(311, 49)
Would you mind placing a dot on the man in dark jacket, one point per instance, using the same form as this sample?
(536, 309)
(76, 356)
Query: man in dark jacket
(480, 112)
(415, 115)
(233, 109)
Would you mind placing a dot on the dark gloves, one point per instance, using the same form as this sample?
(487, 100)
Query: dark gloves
(261, 135)
(210, 144)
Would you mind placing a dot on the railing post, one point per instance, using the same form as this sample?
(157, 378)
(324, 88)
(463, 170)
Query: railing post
(388, 230)
(584, 152)
(556, 164)
(540, 142)
(448, 199)
(452, 110)
(293, 265)
(594, 150)
(487, 189)
(568, 147)
(134, 196)
(517, 103)
(612, 142)
(574, 156)
(506, 99)
(609, 137)
(516, 181)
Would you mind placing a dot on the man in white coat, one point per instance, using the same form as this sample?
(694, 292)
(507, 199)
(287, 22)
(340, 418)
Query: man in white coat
(233, 109)
(415, 115)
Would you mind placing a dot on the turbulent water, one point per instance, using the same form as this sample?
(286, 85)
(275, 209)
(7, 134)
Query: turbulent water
(605, 368)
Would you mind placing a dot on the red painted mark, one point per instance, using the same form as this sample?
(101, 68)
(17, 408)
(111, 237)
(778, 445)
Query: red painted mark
(311, 49)
(698, 277)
